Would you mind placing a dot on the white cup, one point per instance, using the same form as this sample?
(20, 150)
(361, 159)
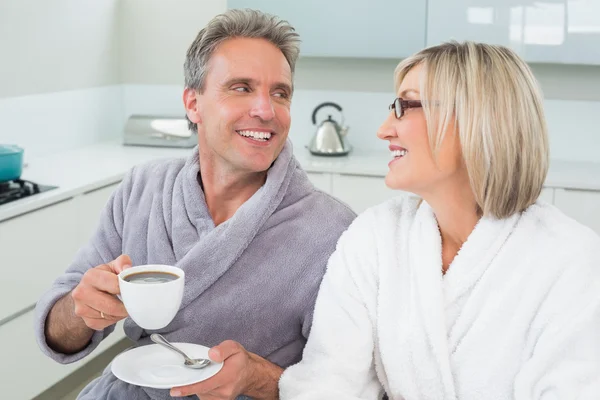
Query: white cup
(152, 305)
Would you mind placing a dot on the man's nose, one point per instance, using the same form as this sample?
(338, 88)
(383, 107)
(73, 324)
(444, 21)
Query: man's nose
(262, 107)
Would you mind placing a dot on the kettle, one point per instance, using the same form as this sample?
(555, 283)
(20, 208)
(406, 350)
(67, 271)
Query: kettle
(330, 138)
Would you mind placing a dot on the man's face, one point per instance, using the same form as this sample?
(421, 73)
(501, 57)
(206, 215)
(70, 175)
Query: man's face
(243, 114)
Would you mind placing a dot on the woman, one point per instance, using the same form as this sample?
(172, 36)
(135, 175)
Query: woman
(476, 291)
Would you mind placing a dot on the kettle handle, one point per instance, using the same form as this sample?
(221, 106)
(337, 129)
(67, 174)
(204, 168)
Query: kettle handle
(326, 104)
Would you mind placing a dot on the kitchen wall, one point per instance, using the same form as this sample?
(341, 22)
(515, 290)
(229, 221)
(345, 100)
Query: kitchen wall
(155, 35)
(59, 73)
(64, 64)
(362, 87)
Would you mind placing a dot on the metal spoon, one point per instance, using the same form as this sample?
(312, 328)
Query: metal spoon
(196, 363)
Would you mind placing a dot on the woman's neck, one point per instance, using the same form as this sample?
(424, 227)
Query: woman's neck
(457, 214)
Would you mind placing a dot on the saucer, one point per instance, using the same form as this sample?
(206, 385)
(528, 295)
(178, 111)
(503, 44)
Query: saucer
(157, 367)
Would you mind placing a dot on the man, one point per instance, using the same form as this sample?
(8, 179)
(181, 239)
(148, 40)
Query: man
(239, 216)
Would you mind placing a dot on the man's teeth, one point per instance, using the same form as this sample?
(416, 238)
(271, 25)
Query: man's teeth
(262, 136)
(398, 153)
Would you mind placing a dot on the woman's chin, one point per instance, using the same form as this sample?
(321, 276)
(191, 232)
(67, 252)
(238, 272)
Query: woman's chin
(396, 182)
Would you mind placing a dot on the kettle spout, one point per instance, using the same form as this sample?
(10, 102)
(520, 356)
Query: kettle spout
(344, 130)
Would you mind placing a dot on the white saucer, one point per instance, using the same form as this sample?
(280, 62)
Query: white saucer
(160, 368)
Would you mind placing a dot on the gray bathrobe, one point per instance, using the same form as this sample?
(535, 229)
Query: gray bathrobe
(252, 279)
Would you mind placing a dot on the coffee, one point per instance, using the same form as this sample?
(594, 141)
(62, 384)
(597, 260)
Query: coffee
(150, 277)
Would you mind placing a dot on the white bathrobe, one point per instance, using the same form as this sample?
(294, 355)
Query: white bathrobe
(517, 315)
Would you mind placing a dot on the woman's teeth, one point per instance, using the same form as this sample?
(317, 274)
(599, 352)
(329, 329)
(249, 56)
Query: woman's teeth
(259, 136)
(398, 153)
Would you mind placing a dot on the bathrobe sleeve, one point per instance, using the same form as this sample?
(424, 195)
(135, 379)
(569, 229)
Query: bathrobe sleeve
(337, 362)
(565, 363)
(104, 246)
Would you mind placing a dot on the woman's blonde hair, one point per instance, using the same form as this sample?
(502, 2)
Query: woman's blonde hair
(494, 99)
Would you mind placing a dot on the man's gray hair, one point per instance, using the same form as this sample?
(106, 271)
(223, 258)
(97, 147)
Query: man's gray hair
(243, 23)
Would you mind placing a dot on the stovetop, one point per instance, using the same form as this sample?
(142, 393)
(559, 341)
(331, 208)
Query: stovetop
(19, 189)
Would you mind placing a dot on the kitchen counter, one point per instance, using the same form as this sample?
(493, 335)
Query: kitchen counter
(82, 170)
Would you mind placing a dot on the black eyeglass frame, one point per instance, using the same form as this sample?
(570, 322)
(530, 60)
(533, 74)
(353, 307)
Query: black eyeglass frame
(400, 105)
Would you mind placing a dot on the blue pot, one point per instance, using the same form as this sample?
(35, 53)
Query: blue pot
(11, 162)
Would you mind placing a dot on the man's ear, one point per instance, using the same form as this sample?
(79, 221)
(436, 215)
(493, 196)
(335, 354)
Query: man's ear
(191, 105)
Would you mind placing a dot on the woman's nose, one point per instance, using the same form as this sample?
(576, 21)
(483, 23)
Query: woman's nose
(387, 130)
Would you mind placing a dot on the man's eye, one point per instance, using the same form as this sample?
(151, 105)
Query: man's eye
(283, 95)
(241, 89)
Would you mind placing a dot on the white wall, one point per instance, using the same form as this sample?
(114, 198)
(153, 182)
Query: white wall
(59, 73)
(153, 53)
(46, 123)
(573, 125)
(155, 36)
(559, 82)
(49, 46)
(62, 62)
(57, 58)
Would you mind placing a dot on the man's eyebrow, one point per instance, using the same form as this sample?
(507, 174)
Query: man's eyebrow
(232, 81)
(253, 82)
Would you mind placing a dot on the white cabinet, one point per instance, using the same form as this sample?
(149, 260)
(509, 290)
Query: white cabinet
(362, 192)
(322, 181)
(581, 205)
(337, 28)
(38, 246)
(558, 31)
(25, 371)
(89, 206)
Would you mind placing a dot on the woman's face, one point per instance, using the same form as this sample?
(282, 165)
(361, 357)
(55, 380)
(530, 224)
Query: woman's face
(413, 167)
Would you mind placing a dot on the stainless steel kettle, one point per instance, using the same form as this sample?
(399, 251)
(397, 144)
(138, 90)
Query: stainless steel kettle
(330, 138)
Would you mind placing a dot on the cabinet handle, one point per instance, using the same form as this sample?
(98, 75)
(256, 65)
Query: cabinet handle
(579, 190)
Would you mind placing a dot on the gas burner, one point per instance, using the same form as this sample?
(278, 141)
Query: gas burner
(18, 189)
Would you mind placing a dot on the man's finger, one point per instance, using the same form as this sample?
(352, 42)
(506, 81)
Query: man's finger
(102, 280)
(117, 265)
(204, 387)
(100, 301)
(224, 350)
(87, 312)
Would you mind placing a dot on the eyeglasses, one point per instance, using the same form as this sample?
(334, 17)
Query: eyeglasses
(399, 106)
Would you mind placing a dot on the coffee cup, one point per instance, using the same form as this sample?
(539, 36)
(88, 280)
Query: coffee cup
(152, 294)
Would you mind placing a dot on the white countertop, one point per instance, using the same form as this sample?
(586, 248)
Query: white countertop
(88, 168)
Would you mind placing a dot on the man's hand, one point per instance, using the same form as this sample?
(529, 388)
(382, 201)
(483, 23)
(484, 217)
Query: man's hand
(90, 306)
(242, 373)
(94, 298)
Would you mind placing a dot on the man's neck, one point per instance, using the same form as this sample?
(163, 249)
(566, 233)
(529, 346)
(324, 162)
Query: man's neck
(226, 191)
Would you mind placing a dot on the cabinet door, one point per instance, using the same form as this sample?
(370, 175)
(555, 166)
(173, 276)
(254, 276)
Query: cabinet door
(362, 192)
(581, 205)
(560, 31)
(36, 248)
(336, 28)
(25, 371)
(322, 181)
(89, 207)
